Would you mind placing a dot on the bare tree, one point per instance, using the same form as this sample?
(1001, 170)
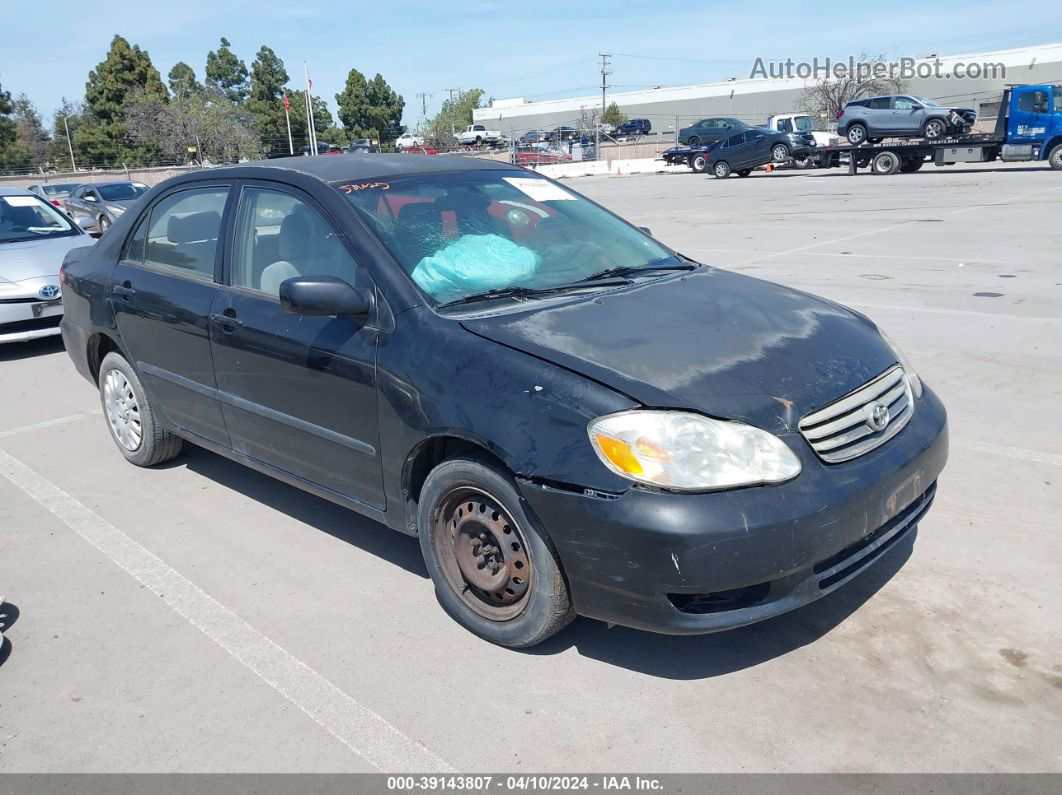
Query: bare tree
(205, 125)
(828, 94)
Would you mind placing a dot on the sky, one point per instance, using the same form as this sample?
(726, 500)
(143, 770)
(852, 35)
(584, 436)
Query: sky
(537, 50)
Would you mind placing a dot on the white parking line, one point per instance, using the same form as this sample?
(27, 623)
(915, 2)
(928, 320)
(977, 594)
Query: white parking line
(49, 423)
(356, 726)
(1021, 453)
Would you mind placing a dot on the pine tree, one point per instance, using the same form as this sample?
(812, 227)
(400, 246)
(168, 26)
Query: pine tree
(126, 73)
(370, 109)
(227, 73)
(182, 81)
(14, 157)
(265, 102)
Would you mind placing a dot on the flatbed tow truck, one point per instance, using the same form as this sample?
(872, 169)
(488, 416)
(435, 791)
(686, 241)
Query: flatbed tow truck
(1028, 128)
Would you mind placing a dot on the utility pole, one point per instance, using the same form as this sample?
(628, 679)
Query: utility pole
(453, 131)
(606, 70)
(424, 97)
(70, 144)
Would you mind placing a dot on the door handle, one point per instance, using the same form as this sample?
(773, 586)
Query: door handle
(123, 291)
(227, 322)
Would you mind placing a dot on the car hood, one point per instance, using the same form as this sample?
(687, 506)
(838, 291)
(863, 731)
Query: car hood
(712, 341)
(33, 259)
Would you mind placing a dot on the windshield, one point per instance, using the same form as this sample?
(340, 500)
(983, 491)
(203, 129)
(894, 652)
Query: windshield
(120, 192)
(30, 218)
(52, 190)
(462, 233)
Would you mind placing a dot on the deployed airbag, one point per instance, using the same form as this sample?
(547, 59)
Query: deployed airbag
(475, 263)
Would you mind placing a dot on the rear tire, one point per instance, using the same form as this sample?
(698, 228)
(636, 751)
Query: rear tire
(699, 163)
(693, 141)
(911, 166)
(1055, 158)
(495, 569)
(721, 170)
(779, 153)
(131, 418)
(104, 224)
(856, 134)
(885, 163)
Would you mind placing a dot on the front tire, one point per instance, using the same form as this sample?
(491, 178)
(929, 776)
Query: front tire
(721, 170)
(744, 172)
(495, 569)
(1055, 158)
(131, 418)
(935, 129)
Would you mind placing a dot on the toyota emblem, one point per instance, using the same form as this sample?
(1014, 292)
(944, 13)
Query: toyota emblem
(878, 417)
(49, 291)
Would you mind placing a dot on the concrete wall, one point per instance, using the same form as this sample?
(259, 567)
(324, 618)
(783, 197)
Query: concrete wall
(149, 176)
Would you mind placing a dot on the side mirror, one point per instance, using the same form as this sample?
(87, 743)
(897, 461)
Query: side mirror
(324, 295)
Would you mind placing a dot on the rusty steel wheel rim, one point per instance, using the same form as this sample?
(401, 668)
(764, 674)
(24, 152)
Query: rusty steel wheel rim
(482, 553)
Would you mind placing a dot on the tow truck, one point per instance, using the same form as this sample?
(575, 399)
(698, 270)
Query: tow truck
(1028, 128)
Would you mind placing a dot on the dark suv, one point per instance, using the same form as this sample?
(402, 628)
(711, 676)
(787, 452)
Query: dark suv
(633, 128)
(710, 131)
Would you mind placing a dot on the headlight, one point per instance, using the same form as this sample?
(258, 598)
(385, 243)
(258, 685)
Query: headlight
(916, 382)
(114, 208)
(688, 452)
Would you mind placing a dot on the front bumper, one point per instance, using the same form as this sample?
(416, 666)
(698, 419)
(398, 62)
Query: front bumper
(698, 563)
(25, 318)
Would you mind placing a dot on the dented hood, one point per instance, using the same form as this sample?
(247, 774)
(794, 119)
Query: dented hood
(713, 341)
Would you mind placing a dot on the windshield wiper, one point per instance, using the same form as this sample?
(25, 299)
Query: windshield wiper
(520, 291)
(633, 270)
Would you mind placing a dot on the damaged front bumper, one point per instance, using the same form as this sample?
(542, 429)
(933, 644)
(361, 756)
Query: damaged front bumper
(698, 563)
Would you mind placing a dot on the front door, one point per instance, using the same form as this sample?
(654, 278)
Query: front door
(161, 291)
(298, 392)
(907, 116)
(1030, 115)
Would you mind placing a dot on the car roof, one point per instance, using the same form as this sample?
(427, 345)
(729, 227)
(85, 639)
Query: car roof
(360, 166)
(6, 190)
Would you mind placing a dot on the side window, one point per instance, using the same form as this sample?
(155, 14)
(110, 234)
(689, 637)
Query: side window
(133, 251)
(736, 140)
(903, 103)
(785, 125)
(1058, 99)
(880, 103)
(182, 233)
(278, 237)
(90, 195)
(1033, 102)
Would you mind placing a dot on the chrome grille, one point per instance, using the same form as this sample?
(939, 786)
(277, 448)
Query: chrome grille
(846, 428)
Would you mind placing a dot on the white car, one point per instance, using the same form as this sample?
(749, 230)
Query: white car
(409, 141)
(34, 239)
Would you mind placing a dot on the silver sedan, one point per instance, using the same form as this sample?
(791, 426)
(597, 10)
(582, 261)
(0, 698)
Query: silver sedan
(34, 239)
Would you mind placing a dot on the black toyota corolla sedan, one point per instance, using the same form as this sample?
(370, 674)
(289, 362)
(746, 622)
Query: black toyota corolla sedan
(572, 417)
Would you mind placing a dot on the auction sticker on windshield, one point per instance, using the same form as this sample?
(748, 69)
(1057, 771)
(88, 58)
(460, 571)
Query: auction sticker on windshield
(540, 190)
(20, 201)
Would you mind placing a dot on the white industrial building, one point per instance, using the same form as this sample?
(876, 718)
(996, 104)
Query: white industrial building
(752, 100)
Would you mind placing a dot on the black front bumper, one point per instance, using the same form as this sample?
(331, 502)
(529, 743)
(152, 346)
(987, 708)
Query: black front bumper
(697, 563)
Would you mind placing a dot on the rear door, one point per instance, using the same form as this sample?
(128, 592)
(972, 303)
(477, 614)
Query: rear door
(298, 392)
(162, 291)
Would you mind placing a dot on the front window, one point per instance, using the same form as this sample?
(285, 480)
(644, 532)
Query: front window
(31, 218)
(461, 233)
(120, 192)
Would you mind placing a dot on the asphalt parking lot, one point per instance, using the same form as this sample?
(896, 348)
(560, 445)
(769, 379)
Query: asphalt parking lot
(202, 617)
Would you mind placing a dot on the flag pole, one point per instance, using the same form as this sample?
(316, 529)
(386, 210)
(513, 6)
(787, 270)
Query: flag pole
(287, 120)
(309, 106)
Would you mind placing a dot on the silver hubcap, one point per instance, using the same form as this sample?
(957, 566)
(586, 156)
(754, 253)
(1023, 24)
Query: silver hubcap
(780, 153)
(720, 171)
(123, 412)
(855, 134)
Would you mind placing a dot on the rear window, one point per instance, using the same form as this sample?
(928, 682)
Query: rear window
(52, 190)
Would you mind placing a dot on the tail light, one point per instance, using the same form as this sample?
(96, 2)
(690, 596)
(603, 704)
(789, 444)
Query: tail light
(840, 113)
(56, 203)
(62, 275)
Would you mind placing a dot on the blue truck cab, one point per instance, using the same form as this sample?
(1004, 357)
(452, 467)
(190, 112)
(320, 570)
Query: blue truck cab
(1033, 124)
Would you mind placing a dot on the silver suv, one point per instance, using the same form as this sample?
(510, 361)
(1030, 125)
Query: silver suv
(874, 118)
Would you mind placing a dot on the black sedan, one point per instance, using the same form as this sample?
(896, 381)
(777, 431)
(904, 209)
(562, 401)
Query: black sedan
(570, 416)
(742, 152)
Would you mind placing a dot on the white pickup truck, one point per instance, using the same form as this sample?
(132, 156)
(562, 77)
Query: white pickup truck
(803, 122)
(475, 134)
